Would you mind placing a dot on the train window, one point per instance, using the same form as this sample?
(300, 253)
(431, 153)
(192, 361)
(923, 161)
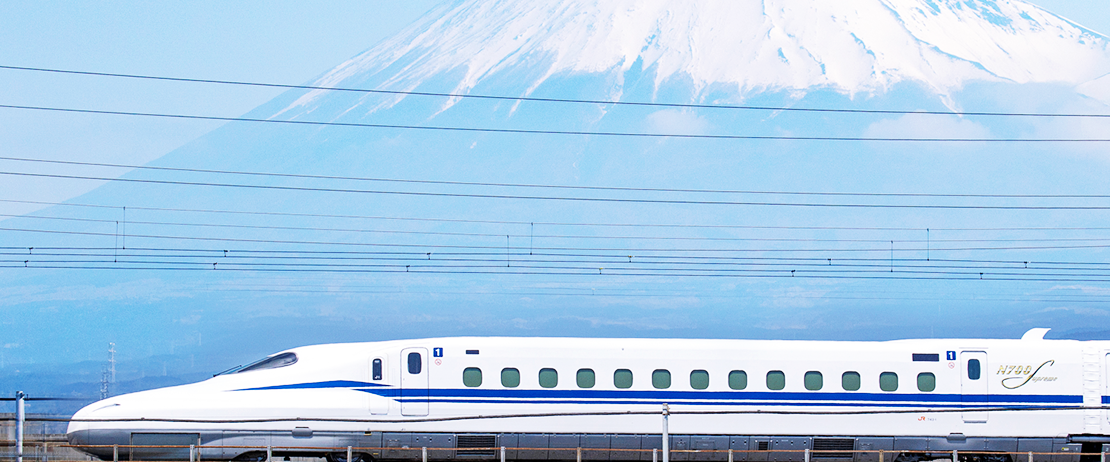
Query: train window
(510, 377)
(272, 362)
(926, 381)
(850, 381)
(622, 378)
(472, 377)
(414, 363)
(661, 378)
(548, 377)
(376, 369)
(699, 380)
(814, 380)
(738, 380)
(585, 378)
(888, 381)
(973, 369)
(776, 380)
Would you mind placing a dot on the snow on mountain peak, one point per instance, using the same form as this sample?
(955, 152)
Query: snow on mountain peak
(850, 46)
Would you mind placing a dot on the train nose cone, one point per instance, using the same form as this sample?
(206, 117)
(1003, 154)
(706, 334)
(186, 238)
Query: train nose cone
(93, 437)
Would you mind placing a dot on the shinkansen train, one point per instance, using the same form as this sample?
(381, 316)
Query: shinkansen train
(543, 397)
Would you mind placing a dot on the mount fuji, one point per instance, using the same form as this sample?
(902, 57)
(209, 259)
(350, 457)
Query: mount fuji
(930, 55)
(729, 50)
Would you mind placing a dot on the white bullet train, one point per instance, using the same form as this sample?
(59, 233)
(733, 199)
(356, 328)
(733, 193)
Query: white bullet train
(913, 399)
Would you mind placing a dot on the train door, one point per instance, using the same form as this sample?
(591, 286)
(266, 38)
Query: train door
(414, 381)
(379, 405)
(973, 385)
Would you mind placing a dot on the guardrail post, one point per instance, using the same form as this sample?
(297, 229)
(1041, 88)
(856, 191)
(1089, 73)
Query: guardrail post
(654, 454)
(882, 456)
(192, 453)
(1030, 456)
(666, 434)
(349, 455)
(115, 453)
(19, 426)
(730, 455)
(955, 456)
(578, 454)
(269, 453)
(807, 455)
(423, 454)
(502, 453)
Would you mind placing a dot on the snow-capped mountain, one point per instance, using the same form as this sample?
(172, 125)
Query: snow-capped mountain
(732, 49)
(439, 202)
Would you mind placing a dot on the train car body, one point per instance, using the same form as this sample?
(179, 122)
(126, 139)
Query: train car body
(913, 398)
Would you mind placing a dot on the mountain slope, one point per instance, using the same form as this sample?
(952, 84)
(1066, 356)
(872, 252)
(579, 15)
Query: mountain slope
(746, 47)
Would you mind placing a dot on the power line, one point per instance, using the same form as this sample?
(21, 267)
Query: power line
(543, 236)
(554, 265)
(542, 223)
(541, 257)
(548, 248)
(551, 132)
(559, 198)
(548, 186)
(550, 100)
(593, 272)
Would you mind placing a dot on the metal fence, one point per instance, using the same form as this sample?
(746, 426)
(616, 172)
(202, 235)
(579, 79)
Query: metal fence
(60, 451)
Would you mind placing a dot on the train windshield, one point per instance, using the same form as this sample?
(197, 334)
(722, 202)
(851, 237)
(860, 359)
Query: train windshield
(272, 362)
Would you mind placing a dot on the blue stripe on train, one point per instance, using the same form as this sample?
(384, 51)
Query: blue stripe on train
(727, 403)
(733, 398)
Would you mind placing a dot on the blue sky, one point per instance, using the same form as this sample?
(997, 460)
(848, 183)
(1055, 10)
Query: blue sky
(281, 42)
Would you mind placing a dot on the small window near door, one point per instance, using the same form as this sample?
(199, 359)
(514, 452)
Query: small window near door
(376, 369)
(926, 381)
(472, 377)
(414, 363)
(973, 369)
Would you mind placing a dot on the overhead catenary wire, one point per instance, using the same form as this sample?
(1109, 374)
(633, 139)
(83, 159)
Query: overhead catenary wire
(548, 100)
(560, 198)
(198, 224)
(417, 254)
(542, 223)
(487, 247)
(518, 131)
(640, 270)
(551, 186)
